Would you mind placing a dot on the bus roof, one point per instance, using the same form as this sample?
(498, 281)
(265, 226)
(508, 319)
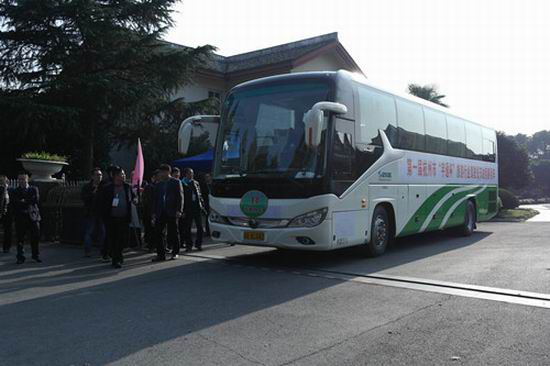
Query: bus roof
(345, 75)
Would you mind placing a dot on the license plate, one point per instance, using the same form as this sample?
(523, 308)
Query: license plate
(254, 235)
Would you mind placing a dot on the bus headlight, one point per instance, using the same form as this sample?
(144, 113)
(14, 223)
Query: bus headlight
(309, 219)
(216, 217)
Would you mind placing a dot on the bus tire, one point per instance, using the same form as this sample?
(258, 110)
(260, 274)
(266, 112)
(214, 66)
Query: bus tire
(381, 233)
(469, 224)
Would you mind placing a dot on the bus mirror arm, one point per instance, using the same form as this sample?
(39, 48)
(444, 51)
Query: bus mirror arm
(385, 141)
(184, 138)
(390, 153)
(313, 120)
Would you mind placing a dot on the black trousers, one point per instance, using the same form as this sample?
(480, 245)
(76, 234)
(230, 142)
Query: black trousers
(149, 233)
(6, 221)
(23, 227)
(170, 224)
(206, 223)
(117, 237)
(195, 216)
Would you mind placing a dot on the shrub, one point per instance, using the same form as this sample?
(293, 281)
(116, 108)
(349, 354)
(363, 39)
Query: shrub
(509, 200)
(44, 156)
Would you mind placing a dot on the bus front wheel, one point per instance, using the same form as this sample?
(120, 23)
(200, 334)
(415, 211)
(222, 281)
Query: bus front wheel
(380, 234)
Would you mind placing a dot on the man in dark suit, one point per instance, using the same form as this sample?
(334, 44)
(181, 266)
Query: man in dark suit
(193, 209)
(90, 195)
(205, 186)
(115, 205)
(5, 214)
(167, 209)
(25, 199)
(147, 209)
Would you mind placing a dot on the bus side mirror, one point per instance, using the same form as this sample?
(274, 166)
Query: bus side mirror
(313, 120)
(207, 123)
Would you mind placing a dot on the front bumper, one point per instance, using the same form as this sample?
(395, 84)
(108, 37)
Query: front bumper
(286, 238)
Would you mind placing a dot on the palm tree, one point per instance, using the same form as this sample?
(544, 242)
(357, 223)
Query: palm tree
(427, 92)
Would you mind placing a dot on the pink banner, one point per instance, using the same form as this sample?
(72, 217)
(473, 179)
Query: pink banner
(139, 167)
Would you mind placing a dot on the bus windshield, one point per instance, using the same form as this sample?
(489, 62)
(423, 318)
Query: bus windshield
(262, 132)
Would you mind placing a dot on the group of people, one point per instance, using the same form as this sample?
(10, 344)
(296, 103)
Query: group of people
(166, 208)
(20, 206)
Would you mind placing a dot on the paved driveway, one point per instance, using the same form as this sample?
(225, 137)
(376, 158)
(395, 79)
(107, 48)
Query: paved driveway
(544, 212)
(249, 306)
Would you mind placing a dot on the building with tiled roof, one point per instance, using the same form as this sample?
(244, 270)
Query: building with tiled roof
(220, 73)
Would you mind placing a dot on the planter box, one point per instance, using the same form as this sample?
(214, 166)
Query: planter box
(42, 170)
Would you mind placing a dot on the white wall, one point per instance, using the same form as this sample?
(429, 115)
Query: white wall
(328, 61)
(198, 90)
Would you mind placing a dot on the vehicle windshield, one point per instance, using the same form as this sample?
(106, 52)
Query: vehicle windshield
(262, 132)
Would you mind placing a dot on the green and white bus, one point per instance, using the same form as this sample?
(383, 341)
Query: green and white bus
(325, 160)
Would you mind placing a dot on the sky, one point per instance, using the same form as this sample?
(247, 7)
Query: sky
(490, 58)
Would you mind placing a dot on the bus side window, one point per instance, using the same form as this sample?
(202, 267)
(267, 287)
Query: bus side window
(410, 126)
(456, 143)
(377, 112)
(474, 141)
(436, 132)
(489, 144)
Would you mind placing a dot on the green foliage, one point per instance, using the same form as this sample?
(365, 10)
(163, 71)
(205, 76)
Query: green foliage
(541, 172)
(519, 214)
(513, 163)
(509, 200)
(427, 92)
(42, 155)
(80, 76)
(537, 145)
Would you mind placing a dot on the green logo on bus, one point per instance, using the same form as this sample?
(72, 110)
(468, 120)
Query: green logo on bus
(254, 204)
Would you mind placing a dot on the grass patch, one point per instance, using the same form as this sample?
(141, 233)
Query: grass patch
(517, 214)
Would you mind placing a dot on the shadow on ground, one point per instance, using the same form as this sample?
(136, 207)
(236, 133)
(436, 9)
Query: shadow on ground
(163, 304)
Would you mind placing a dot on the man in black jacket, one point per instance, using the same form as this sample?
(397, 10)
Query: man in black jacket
(115, 207)
(25, 199)
(94, 223)
(205, 184)
(5, 215)
(147, 210)
(193, 209)
(167, 209)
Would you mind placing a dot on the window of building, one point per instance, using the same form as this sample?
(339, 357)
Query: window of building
(436, 131)
(410, 126)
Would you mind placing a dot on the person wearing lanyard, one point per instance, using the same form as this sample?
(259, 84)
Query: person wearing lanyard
(116, 206)
(25, 199)
(167, 208)
(193, 210)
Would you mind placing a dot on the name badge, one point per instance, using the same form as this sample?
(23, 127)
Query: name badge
(115, 201)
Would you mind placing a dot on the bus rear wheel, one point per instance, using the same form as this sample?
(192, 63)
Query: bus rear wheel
(380, 234)
(469, 224)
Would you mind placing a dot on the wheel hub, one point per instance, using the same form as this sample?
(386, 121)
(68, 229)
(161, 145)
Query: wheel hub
(380, 232)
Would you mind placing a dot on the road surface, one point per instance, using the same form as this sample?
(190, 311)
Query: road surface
(432, 299)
